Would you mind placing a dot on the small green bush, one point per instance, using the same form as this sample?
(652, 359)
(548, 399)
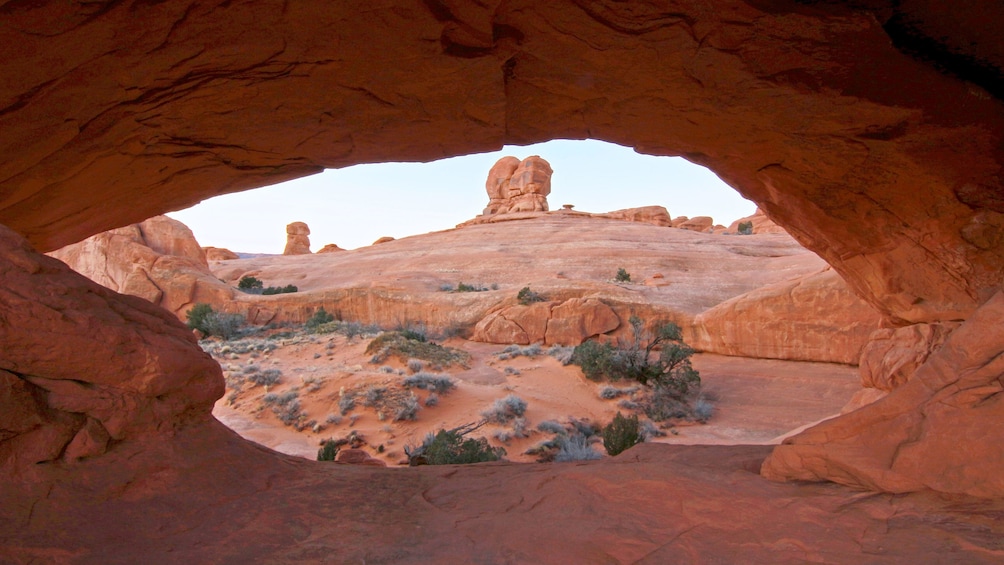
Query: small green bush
(319, 318)
(196, 317)
(440, 384)
(328, 451)
(575, 448)
(505, 410)
(526, 296)
(248, 282)
(745, 228)
(596, 360)
(621, 433)
(622, 276)
(202, 317)
(280, 289)
(450, 447)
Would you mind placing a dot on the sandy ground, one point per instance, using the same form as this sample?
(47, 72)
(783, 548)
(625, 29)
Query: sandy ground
(756, 401)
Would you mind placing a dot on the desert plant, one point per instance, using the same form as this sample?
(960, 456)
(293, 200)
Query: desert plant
(223, 325)
(328, 451)
(196, 317)
(562, 353)
(621, 433)
(394, 344)
(319, 318)
(505, 410)
(703, 410)
(267, 377)
(407, 409)
(248, 283)
(622, 275)
(415, 365)
(575, 448)
(432, 400)
(745, 228)
(461, 287)
(550, 426)
(280, 289)
(450, 447)
(595, 359)
(441, 384)
(414, 332)
(525, 296)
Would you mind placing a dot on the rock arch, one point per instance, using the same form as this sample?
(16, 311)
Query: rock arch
(872, 133)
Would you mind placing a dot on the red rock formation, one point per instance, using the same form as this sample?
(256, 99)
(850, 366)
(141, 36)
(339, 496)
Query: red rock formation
(701, 224)
(655, 215)
(518, 186)
(760, 223)
(937, 430)
(551, 323)
(330, 248)
(82, 365)
(891, 356)
(297, 240)
(383, 239)
(809, 318)
(219, 254)
(158, 260)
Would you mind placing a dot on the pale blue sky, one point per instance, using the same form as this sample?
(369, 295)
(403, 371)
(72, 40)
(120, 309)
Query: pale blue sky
(352, 207)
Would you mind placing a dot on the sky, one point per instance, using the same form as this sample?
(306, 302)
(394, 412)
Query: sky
(354, 206)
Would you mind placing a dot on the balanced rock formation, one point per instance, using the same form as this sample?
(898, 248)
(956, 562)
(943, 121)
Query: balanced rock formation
(297, 240)
(518, 186)
(655, 215)
(759, 223)
(157, 259)
(810, 318)
(552, 323)
(219, 254)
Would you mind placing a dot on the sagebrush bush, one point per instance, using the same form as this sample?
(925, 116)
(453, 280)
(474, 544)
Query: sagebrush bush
(525, 296)
(266, 377)
(621, 433)
(414, 365)
(550, 426)
(505, 410)
(703, 410)
(575, 448)
(441, 384)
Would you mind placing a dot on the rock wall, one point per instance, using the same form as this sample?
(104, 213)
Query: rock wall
(811, 318)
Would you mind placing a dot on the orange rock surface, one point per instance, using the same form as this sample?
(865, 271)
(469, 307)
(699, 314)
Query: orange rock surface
(330, 248)
(760, 224)
(655, 215)
(518, 186)
(219, 254)
(157, 259)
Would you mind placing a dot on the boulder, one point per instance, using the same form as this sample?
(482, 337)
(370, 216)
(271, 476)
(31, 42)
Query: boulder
(383, 239)
(137, 260)
(697, 223)
(297, 240)
(330, 248)
(551, 323)
(219, 254)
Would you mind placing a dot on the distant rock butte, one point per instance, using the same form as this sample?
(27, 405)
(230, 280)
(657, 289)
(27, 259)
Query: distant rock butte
(219, 254)
(297, 240)
(518, 186)
(330, 248)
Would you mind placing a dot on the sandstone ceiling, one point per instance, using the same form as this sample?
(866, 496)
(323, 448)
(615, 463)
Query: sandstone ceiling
(870, 130)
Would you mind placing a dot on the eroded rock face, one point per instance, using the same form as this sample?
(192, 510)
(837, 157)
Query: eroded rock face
(518, 186)
(297, 240)
(82, 365)
(158, 260)
(697, 223)
(892, 356)
(810, 318)
(552, 323)
(939, 430)
(655, 215)
(219, 254)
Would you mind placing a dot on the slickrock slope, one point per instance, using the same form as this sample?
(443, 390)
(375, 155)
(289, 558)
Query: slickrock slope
(157, 259)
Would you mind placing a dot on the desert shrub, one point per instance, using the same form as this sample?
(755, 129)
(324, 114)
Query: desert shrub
(267, 377)
(346, 403)
(745, 228)
(286, 407)
(612, 392)
(505, 410)
(248, 283)
(407, 409)
(703, 410)
(450, 447)
(511, 371)
(196, 317)
(662, 404)
(319, 318)
(446, 287)
(525, 296)
(575, 448)
(394, 344)
(584, 427)
(461, 287)
(622, 275)
(551, 427)
(514, 351)
(441, 384)
(280, 289)
(414, 332)
(562, 353)
(595, 359)
(386, 369)
(415, 365)
(432, 400)
(649, 430)
(621, 433)
(328, 451)
(226, 326)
